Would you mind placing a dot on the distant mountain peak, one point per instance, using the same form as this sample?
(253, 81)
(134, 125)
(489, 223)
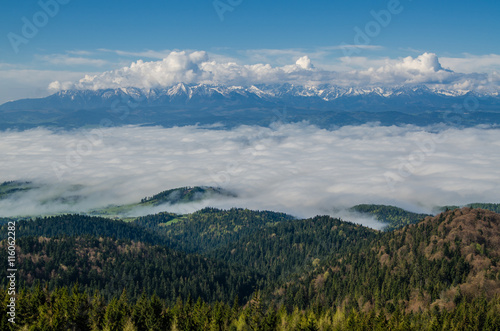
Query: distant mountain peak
(188, 104)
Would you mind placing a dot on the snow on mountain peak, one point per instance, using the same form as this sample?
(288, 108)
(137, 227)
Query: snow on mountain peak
(326, 92)
(197, 68)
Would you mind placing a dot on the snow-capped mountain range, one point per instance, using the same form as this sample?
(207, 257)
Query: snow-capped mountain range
(182, 104)
(274, 92)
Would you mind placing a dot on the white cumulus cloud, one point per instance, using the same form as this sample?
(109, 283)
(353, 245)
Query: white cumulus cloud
(422, 69)
(197, 67)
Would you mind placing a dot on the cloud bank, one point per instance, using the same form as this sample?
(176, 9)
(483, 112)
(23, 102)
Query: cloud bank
(197, 68)
(294, 168)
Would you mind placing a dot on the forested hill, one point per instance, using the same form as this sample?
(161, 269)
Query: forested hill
(187, 194)
(314, 274)
(169, 197)
(280, 249)
(495, 207)
(209, 228)
(441, 261)
(81, 225)
(9, 188)
(110, 266)
(394, 217)
(271, 245)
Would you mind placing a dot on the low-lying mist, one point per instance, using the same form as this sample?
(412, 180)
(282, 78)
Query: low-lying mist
(294, 168)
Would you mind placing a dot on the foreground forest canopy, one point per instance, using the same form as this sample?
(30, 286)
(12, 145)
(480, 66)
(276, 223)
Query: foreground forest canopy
(239, 269)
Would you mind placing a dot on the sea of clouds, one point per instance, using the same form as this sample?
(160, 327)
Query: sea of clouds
(294, 168)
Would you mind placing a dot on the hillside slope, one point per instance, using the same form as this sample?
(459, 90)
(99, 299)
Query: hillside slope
(110, 266)
(209, 228)
(394, 217)
(442, 273)
(439, 261)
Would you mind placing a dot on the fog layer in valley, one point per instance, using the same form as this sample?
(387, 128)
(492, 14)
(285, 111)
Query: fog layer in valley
(293, 168)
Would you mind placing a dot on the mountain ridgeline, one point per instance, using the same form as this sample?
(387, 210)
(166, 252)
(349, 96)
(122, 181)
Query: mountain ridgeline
(210, 228)
(494, 207)
(394, 217)
(183, 104)
(187, 194)
(440, 261)
(10, 188)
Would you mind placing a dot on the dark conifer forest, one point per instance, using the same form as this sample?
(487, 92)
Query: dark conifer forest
(239, 269)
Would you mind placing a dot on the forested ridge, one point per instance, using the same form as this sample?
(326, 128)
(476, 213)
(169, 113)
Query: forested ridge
(9, 188)
(186, 194)
(248, 270)
(283, 248)
(394, 217)
(111, 266)
(495, 207)
(440, 261)
(79, 225)
(209, 228)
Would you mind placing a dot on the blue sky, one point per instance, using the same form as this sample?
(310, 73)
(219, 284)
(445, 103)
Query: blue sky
(95, 36)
